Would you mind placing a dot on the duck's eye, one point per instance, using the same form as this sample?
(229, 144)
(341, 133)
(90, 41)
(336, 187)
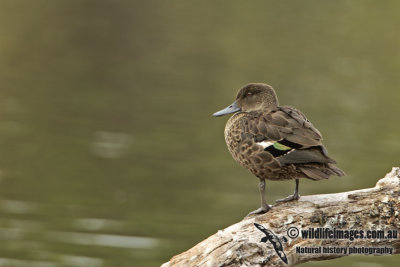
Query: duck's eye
(249, 93)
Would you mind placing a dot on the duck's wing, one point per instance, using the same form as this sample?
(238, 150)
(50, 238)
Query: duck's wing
(293, 126)
(288, 136)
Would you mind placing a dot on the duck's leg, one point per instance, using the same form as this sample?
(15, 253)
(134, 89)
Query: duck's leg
(264, 206)
(295, 195)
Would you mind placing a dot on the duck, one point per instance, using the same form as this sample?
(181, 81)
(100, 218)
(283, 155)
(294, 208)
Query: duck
(274, 142)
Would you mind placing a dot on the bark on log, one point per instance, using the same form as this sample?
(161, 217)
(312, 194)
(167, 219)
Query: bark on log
(243, 244)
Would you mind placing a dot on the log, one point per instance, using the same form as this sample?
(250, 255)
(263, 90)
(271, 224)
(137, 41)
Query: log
(278, 237)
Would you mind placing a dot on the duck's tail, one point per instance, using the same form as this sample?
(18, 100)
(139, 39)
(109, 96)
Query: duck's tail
(320, 171)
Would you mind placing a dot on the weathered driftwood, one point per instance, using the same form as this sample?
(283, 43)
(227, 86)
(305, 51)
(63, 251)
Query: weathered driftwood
(240, 244)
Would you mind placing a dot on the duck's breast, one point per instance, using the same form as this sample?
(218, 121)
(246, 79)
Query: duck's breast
(233, 133)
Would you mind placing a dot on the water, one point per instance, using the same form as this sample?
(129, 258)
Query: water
(109, 154)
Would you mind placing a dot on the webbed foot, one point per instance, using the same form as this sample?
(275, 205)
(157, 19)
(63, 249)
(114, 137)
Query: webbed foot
(260, 210)
(295, 196)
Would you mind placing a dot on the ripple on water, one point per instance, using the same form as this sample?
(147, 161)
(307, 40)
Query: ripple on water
(31, 237)
(17, 206)
(64, 260)
(96, 224)
(107, 240)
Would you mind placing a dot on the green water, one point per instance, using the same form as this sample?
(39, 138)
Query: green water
(109, 154)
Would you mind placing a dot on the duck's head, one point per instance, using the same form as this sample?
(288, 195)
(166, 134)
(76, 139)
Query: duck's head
(252, 97)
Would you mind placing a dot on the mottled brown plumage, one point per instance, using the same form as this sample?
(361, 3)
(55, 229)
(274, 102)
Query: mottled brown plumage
(274, 142)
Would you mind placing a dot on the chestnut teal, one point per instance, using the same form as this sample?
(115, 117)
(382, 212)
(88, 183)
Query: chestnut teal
(274, 142)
